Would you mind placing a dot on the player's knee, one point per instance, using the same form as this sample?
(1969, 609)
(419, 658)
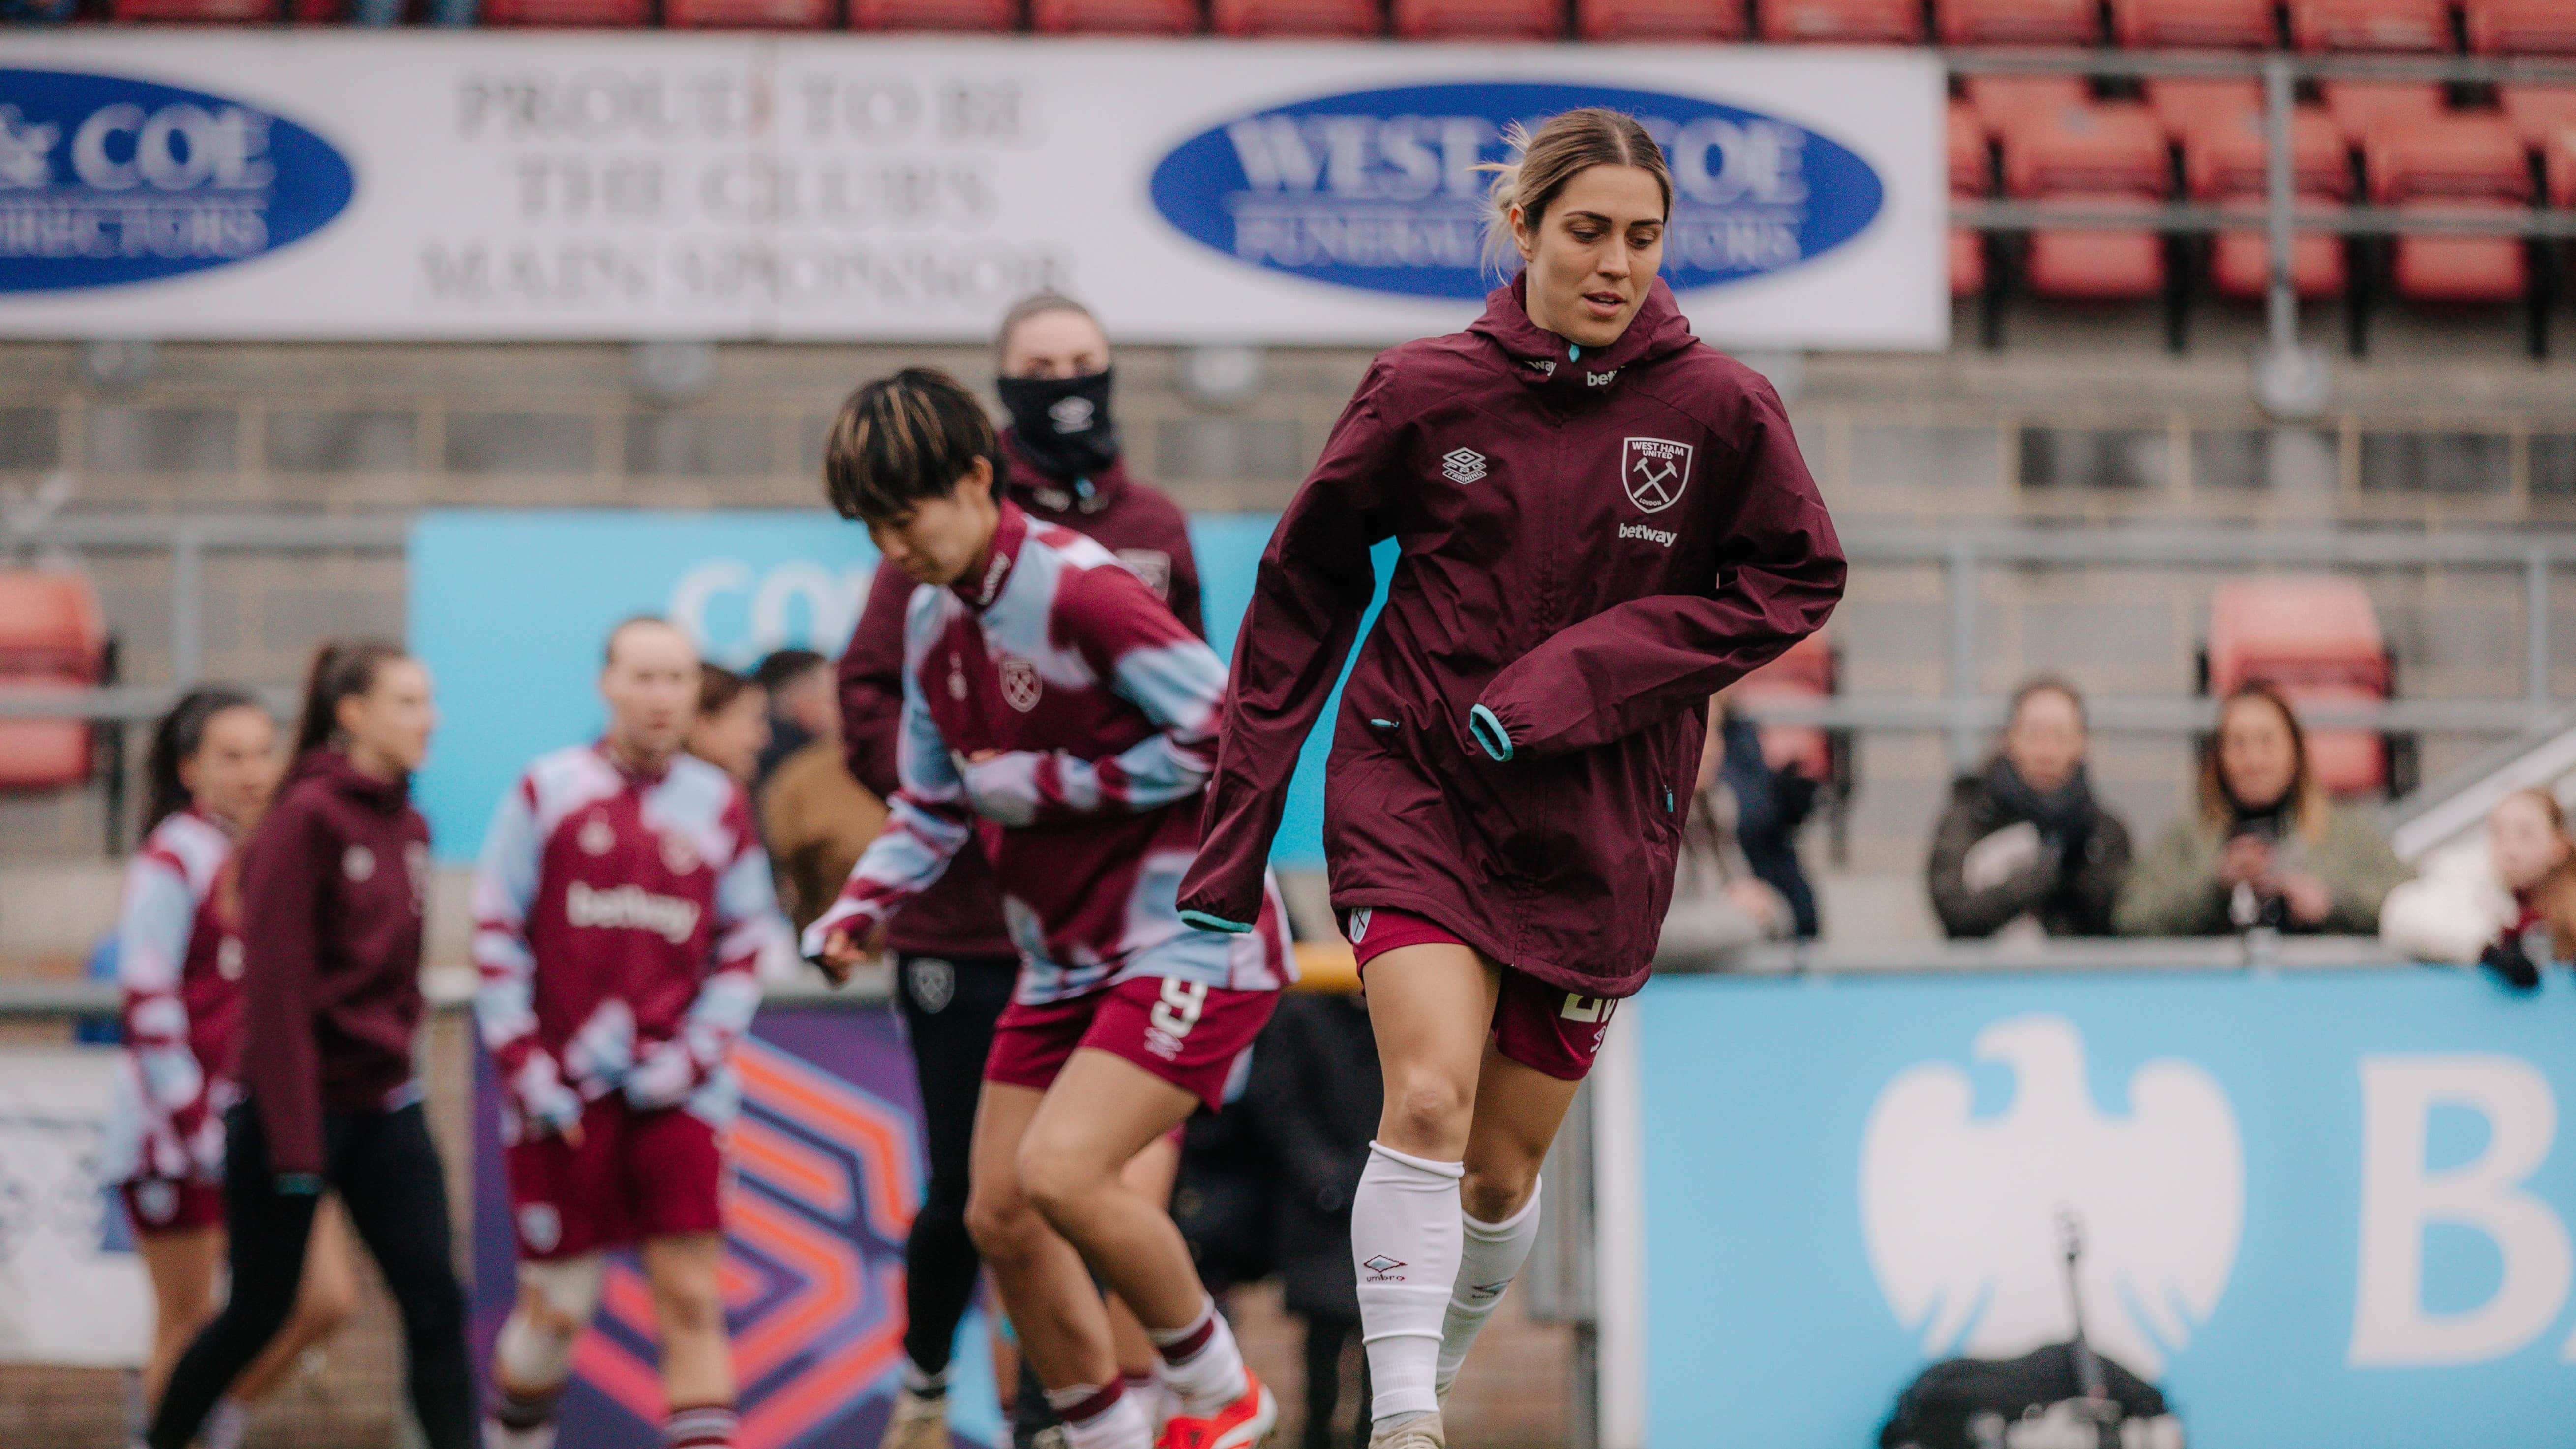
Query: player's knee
(1492, 1192)
(687, 1305)
(1058, 1180)
(1001, 1224)
(1428, 1113)
(556, 1300)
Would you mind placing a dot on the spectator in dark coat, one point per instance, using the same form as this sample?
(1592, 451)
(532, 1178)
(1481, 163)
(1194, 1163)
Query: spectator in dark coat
(1314, 1100)
(2025, 839)
(1770, 805)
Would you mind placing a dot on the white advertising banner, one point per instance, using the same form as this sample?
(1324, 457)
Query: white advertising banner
(71, 1288)
(851, 187)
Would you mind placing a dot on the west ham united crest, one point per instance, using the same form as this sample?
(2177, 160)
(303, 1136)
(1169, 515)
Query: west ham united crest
(1655, 471)
(1020, 684)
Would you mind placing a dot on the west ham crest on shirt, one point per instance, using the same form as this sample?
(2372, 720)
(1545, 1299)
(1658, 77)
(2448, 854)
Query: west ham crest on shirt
(1655, 471)
(597, 837)
(1153, 566)
(1021, 685)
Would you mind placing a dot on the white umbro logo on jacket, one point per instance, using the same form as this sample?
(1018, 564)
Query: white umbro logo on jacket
(1463, 465)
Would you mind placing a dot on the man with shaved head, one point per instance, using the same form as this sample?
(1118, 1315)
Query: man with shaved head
(621, 908)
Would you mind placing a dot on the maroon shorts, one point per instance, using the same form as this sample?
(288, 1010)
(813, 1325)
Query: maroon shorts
(162, 1205)
(1191, 1035)
(636, 1175)
(1544, 1028)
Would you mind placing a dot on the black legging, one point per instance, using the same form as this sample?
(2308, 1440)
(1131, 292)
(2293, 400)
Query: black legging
(949, 1007)
(386, 1172)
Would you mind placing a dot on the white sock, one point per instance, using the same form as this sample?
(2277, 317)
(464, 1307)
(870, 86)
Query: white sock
(1492, 1257)
(1110, 1417)
(1405, 1232)
(1201, 1364)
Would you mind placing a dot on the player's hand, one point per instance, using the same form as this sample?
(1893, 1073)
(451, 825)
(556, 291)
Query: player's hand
(570, 1132)
(841, 955)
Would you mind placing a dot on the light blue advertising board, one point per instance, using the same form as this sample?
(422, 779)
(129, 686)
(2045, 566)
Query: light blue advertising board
(2321, 1208)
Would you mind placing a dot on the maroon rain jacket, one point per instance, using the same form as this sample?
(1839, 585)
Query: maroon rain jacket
(334, 883)
(962, 914)
(1592, 544)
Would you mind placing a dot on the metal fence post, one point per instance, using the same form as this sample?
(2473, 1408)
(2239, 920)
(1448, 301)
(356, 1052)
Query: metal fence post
(1960, 583)
(187, 604)
(2535, 632)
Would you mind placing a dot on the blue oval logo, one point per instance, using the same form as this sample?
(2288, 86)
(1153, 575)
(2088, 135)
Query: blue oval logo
(106, 180)
(1379, 189)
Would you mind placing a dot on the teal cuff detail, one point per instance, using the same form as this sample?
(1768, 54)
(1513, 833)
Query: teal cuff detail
(1489, 732)
(299, 1184)
(1206, 922)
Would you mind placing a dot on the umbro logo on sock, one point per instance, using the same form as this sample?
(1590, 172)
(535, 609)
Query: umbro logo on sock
(1488, 1290)
(1382, 1269)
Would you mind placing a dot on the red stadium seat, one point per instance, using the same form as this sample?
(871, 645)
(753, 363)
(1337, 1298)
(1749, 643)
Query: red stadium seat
(1999, 100)
(1967, 262)
(2230, 157)
(2476, 156)
(2461, 268)
(2200, 24)
(2182, 103)
(2370, 24)
(751, 14)
(1478, 19)
(2097, 149)
(2523, 27)
(2560, 157)
(53, 637)
(1660, 19)
(2240, 262)
(2359, 105)
(969, 15)
(2020, 22)
(1807, 671)
(1114, 17)
(2318, 642)
(1352, 19)
(2097, 265)
(567, 12)
(1843, 22)
(200, 12)
(2538, 112)
(1970, 171)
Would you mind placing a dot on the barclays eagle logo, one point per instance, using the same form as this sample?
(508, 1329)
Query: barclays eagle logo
(1959, 1210)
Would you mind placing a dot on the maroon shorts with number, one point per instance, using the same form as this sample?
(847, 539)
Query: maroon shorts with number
(163, 1205)
(636, 1175)
(1544, 1028)
(1191, 1035)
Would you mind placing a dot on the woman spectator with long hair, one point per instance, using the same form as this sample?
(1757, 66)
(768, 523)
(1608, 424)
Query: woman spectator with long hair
(209, 775)
(334, 886)
(2266, 847)
(2024, 840)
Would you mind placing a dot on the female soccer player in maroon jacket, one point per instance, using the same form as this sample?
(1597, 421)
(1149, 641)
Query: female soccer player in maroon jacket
(1602, 523)
(334, 883)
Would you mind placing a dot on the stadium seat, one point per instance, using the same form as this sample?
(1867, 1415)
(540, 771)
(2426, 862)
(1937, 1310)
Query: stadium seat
(1970, 171)
(2538, 112)
(970, 15)
(567, 12)
(2318, 642)
(1843, 22)
(1809, 670)
(2521, 27)
(1998, 100)
(2230, 157)
(2477, 156)
(2358, 105)
(2182, 103)
(1660, 19)
(1333, 19)
(1115, 17)
(2439, 268)
(2370, 24)
(1475, 19)
(53, 637)
(2200, 24)
(2087, 264)
(1967, 262)
(751, 14)
(2020, 22)
(2240, 262)
(2559, 157)
(199, 12)
(2097, 149)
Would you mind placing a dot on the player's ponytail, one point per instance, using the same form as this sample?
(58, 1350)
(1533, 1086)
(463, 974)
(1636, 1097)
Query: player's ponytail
(1541, 165)
(175, 741)
(902, 439)
(342, 669)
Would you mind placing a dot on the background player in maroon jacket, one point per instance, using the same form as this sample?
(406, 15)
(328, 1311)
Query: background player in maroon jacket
(1602, 522)
(335, 885)
(954, 961)
(210, 773)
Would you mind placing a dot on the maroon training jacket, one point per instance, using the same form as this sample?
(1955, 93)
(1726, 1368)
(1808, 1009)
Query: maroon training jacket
(962, 914)
(1592, 544)
(333, 886)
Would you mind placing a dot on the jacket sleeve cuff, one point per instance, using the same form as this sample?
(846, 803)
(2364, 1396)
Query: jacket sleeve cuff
(1489, 732)
(1206, 922)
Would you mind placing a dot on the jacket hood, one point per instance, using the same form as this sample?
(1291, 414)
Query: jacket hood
(1560, 368)
(332, 767)
(1051, 497)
